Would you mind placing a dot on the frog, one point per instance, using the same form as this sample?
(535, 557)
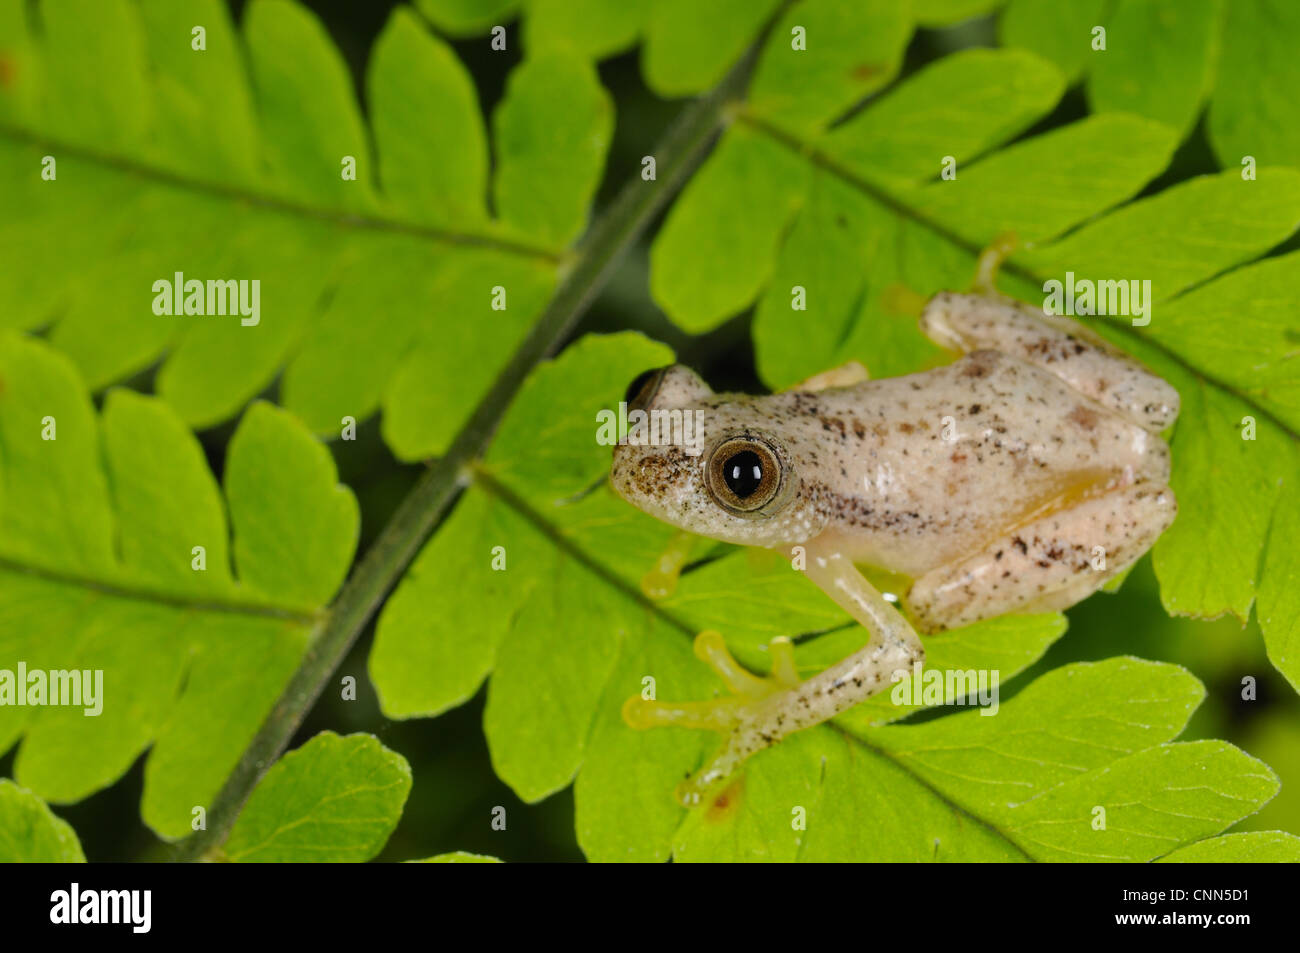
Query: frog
(1020, 477)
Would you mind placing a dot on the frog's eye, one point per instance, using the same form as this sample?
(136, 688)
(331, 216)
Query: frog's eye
(744, 475)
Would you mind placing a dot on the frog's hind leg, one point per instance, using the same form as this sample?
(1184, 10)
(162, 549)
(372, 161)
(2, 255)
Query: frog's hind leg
(1049, 563)
(972, 322)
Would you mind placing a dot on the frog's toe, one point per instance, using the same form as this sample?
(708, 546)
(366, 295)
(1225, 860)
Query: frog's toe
(739, 716)
(711, 649)
(784, 671)
(990, 261)
(719, 714)
(696, 789)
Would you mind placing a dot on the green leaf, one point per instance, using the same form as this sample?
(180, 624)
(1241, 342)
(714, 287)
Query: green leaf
(538, 714)
(334, 800)
(31, 833)
(1164, 58)
(1068, 723)
(422, 665)
(1252, 112)
(713, 253)
(1155, 799)
(439, 488)
(707, 265)
(1060, 31)
(1236, 331)
(306, 104)
(82, 108)
(851, 48)
(622, 813)
(1279, 599)
(960, 105)
(1041, 187)
(549, 159)
(1253, 847)
(1182, 236)
(467, 17)
(18, 100)
(195, 96)
(295, 528)
(689, 46)
(1159, 60)
(592, 28)
(934, 13)
(1208, 560)
(174, 642)
(421, 97)
(457, 857)
(233, 163)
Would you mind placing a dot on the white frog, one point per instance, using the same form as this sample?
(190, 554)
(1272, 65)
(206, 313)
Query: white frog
(1019, 478)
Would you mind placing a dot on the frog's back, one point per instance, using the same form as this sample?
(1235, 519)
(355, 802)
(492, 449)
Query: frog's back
(916, 470)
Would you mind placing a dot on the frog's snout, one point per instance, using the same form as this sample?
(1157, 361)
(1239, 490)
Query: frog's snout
(661, 481)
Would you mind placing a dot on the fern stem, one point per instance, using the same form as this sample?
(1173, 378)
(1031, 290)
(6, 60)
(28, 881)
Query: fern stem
(676, 156)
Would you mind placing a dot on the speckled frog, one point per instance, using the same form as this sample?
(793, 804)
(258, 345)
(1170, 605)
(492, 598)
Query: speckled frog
(1018, 478)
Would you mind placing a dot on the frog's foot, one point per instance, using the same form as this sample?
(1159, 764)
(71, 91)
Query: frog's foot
(990, 262)
(661, 581)
(765, 710)
(737, 715)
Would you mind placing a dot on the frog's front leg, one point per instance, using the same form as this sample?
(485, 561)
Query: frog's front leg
(763, 711)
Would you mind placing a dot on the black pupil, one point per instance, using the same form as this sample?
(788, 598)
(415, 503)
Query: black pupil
(744, 473)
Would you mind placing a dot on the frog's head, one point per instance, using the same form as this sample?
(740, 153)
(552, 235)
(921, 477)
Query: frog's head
(712, 464)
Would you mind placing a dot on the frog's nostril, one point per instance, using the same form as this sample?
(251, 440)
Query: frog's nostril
(643, 388)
